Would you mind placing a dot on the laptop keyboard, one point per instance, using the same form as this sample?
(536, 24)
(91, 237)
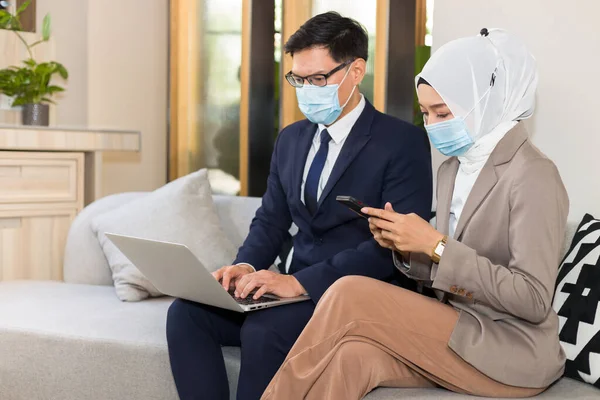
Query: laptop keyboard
(249, 300)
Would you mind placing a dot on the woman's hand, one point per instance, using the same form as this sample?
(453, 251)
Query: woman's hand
(378, 233)
(407, 233)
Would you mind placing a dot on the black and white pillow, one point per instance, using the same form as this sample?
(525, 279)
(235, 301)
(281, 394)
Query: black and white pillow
(577, 302)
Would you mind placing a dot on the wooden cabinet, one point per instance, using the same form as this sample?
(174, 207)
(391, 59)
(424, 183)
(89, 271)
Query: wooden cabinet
(32, 243)
(47, 176)
(41, 177)
(40, 195)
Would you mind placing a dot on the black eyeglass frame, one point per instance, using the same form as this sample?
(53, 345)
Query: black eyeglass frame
(290, 77)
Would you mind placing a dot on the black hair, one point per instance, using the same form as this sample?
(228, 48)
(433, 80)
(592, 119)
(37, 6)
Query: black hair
(422, 81)
(345, 38)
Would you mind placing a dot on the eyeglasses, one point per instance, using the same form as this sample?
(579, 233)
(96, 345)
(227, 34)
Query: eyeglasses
(316, 79)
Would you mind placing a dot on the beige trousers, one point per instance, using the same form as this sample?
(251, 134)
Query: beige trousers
(366, 334)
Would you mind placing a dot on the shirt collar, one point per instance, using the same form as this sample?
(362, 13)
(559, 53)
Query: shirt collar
(342, 127)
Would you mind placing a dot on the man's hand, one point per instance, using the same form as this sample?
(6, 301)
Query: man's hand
(231, 274)
(268, 282)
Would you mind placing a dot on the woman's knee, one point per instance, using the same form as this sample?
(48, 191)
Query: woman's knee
(346, 291)
(346, 285)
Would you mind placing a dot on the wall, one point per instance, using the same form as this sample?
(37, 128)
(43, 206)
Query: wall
(564, 38)
(117, 57)
(69, 47)
(127, 87)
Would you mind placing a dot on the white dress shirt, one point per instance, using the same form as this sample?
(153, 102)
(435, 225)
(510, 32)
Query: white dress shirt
(462, 188)
(339, 132)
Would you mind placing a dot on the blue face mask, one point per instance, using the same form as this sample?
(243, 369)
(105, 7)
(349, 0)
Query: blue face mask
(320, 104)
(450, 137)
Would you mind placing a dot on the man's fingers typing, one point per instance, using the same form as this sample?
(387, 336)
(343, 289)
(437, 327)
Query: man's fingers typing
(226, 279)
(260, 292)
(250, 286)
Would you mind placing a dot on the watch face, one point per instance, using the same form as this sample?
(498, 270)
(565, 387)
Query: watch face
(440, 249)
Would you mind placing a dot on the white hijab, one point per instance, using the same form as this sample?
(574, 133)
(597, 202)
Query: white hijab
(462, 72)
(490, 80)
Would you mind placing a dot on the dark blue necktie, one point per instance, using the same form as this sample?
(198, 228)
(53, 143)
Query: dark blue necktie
(311, 186)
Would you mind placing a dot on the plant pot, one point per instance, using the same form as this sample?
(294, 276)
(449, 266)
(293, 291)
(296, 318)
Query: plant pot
(36, 114)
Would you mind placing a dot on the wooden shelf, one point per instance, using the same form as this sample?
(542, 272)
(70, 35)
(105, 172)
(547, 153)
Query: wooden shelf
(17, 138)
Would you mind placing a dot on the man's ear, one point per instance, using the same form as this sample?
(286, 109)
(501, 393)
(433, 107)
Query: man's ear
(358, 70)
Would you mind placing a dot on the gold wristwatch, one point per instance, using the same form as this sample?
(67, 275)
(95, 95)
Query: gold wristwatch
(438, 250)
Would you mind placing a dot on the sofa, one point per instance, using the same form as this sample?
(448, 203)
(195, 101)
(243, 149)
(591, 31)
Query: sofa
(75, 340)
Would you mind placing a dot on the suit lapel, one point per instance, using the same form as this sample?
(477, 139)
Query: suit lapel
(488, 177)
(483, 185)
(445, 191)
(359, 135)
(304, 142)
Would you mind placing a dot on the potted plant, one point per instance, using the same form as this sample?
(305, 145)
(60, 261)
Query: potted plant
(30, 84)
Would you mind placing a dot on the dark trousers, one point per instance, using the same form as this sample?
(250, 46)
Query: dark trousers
(195, 334)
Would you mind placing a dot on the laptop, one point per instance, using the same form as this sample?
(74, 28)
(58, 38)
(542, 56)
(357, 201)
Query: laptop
(175, 271)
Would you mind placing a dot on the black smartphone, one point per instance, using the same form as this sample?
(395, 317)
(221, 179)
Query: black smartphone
(353, 204)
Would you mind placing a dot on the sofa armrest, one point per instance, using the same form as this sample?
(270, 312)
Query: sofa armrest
(84, 260)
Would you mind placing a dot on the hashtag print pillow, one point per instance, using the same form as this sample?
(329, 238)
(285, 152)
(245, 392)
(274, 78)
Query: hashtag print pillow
(577, 303)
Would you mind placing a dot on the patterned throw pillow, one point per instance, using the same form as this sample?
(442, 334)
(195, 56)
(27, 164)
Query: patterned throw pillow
(577, 302)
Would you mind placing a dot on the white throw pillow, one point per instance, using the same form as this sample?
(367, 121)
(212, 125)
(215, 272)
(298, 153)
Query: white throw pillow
(180, 212)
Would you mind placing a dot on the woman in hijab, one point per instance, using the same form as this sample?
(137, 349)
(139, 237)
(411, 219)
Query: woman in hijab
(492, 259)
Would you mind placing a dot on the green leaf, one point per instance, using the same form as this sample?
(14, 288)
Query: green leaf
(15, 24)
(62, 71)
(5, 19)
(43, 69)
(47, 100)
(46, 27)
(8, 21)
(23, 7)
(19, 101)
(30, 62)
(55, 89)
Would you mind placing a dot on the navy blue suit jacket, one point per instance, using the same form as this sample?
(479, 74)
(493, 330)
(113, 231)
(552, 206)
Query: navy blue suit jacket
(383, 159)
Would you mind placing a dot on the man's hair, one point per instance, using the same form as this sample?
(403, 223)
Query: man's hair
(345, 38)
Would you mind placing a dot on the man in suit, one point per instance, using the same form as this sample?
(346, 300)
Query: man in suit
(345, 147)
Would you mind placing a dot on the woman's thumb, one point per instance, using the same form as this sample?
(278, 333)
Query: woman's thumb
(388, 206)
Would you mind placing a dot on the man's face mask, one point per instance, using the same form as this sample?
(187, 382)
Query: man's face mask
(320, 104)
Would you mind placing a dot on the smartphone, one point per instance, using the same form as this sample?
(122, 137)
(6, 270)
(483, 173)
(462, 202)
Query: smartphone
(353, 204)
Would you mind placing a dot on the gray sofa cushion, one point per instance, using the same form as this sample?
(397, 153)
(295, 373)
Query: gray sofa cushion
(85, 261)
(84, 258)
(564, 389)
(182, 212)
(71, 342)
(236, 214)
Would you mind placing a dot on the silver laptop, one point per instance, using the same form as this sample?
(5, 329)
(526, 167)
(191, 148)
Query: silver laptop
(175, 271)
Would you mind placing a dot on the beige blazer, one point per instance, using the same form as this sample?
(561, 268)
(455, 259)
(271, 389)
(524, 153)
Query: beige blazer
(501, 267)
